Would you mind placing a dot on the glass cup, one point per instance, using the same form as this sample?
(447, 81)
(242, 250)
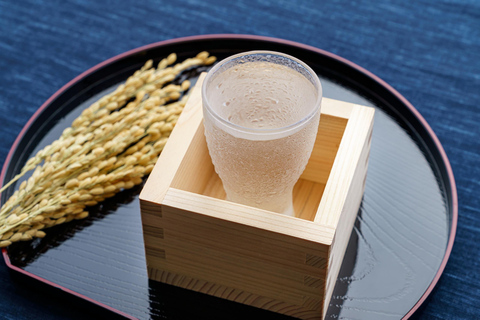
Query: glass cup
(261, 112)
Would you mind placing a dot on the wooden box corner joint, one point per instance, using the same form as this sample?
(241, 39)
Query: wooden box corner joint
(197, 240)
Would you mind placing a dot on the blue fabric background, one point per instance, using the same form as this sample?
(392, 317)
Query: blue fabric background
(428, 50)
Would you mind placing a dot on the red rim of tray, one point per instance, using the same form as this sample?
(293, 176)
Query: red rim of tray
(261, 38)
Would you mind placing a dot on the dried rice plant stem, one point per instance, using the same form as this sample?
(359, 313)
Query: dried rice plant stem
(110, 147)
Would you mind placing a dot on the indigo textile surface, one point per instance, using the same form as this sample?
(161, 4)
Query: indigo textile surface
(428, 50)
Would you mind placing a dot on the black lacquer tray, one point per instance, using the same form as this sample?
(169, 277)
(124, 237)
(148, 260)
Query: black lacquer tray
(398, 249)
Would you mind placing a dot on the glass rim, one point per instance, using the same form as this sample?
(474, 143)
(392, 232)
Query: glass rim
(258, 132)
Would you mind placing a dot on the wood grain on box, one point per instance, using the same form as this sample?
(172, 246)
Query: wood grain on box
(197, 240)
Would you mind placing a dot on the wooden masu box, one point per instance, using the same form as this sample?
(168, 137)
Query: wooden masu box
(196, 240)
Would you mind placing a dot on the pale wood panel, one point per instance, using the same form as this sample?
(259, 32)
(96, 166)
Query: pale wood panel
(306, 197)
(151, 219)
(262, 251)
(239, 243)
(349, 212)
(304, 233)
(262, 286)
(329, 136)
(214, 188)
(337, 108)
(150, 208)
(357, 130)
(194, 176)
(265, 250)
(166, 167)
(253, 274)
(309, 310)
(301, 194)
(311, 206)
(340, 203)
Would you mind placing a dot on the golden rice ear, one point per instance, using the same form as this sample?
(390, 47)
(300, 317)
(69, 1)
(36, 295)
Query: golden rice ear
(110, 147)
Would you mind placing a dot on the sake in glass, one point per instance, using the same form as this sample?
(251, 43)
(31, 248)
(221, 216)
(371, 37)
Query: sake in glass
(261, 114)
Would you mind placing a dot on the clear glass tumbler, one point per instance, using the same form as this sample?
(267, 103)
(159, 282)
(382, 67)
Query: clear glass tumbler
(261, 113)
